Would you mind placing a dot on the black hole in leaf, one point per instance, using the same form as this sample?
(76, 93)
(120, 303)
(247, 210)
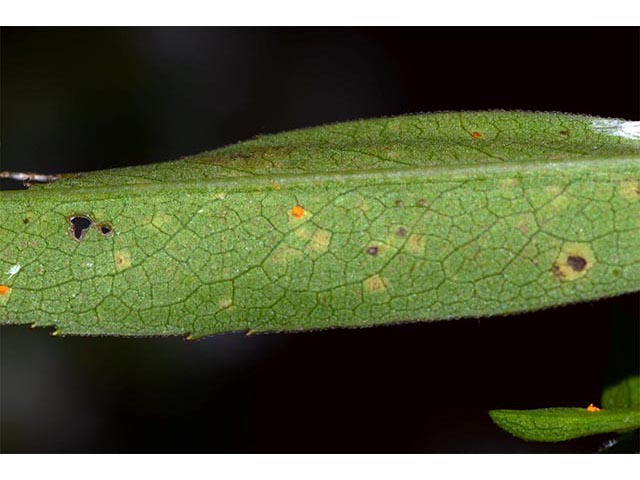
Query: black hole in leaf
(105, 229)
(79, 225)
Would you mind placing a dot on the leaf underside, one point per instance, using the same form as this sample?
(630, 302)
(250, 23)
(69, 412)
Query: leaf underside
(419, 217)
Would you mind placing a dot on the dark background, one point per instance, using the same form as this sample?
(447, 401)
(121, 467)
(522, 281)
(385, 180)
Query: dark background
(82, 99)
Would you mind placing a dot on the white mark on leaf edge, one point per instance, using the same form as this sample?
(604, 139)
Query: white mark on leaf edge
(618, 128)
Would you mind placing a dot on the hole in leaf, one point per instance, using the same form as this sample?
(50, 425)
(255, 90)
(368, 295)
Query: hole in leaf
(105, 229)
(79, 225)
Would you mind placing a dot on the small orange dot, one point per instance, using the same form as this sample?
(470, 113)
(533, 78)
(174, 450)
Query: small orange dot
(592, 408)
(4, 289)
(476, 134)
(297, 211)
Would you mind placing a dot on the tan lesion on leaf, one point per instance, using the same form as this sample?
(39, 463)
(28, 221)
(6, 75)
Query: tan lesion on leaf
(284, 254)
(573, 262)
(510, 182)
(363, 205)
(376, 283)
(225, 303)
(122, 260)
(320, 240)
(630, 190)
(415, 243)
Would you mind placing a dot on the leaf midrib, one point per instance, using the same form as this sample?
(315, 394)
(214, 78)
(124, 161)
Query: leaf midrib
(260, 182)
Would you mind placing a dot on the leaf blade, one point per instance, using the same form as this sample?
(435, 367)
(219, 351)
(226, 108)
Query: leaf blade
(398, 225)
(561, 424)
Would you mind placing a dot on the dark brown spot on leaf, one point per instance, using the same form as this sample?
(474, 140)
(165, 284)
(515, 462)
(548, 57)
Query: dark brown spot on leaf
(576, 263)
(401, 232)
(564, 133)
(422, 202)
(373, 250)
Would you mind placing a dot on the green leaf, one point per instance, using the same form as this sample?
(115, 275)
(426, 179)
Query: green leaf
(420, 217)
(624, 394)
(559, 424)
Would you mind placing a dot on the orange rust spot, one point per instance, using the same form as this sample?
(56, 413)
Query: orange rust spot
(297, 211)
(592, 408)
(476, 134)
(4, 289)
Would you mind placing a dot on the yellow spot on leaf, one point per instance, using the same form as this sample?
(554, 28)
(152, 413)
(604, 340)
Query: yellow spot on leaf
(225, 303)
(363, 205)
(320, 240)
(122, 260)
(510, 182)
(415, 243)
(162, 220)
(630, 190)
(284, 254)
(574, 261)
(592, 408)
(305, 232)
(376, 283)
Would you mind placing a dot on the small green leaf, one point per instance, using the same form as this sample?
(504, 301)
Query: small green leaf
(559, 424)
(624, 394)
(413, 218)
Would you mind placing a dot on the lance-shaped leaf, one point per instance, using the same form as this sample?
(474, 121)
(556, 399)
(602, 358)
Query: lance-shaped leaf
(421, 217)
(559, 424)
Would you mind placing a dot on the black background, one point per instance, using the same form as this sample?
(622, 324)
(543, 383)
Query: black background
(83, 99)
